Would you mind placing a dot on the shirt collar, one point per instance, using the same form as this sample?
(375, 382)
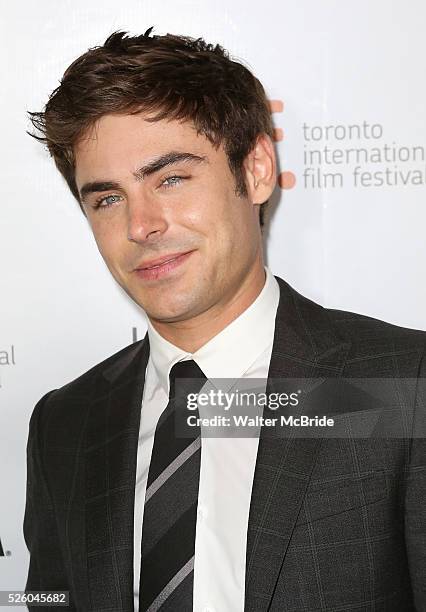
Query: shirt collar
(233, 350)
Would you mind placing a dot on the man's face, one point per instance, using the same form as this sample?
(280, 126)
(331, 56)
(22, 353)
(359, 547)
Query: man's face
(156, 190)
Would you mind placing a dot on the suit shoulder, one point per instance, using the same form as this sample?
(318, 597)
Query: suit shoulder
(358, 327)
(78, 392)
(367, 336)
(124, 355)
(379, 347)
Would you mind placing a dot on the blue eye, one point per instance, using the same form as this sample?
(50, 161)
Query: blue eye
(108, 200)
(172, 181)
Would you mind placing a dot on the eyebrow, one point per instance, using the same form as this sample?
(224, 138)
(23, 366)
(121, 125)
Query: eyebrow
(167, 159)
(153, 166)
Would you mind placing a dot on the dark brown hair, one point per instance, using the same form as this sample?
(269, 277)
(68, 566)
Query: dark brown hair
(175, 77)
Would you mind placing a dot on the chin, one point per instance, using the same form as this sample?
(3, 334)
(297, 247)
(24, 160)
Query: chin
(170, 313)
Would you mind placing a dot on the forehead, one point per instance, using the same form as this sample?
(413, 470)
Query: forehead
(122, 143)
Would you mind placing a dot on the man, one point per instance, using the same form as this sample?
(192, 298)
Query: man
(166, 145)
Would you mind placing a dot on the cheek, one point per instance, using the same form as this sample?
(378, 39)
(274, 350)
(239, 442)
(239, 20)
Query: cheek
(211, 214)
(108, 244)
(194, 219)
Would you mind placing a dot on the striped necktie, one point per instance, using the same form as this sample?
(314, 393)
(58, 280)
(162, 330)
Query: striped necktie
(170, 511)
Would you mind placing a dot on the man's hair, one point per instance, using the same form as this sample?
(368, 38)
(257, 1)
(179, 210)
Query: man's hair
(174, 77)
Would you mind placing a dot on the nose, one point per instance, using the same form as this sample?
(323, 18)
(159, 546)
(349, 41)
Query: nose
(145, 217)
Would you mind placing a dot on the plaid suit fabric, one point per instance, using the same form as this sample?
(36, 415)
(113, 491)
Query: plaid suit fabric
(334, 525)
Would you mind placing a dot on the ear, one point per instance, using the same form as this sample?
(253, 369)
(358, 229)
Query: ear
(261, 170)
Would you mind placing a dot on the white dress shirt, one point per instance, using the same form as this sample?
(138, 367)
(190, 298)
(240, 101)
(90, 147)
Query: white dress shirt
(241, 350)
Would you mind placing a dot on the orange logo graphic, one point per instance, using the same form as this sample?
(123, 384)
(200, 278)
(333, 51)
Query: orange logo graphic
(286, 179)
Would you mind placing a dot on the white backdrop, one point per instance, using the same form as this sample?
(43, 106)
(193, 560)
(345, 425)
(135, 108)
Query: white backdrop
(348, 83)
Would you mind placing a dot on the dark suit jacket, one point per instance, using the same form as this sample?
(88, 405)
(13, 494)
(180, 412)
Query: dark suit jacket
(335, 524)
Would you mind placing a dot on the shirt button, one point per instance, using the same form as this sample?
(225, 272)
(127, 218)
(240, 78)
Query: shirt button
(202, 515)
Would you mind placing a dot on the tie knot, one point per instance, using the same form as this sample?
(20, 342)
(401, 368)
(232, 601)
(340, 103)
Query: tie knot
(189, 370)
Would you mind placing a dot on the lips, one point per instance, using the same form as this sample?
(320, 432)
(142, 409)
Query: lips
(163, 268)
(156, 263)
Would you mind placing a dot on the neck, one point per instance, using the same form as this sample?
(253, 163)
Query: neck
(192, 334)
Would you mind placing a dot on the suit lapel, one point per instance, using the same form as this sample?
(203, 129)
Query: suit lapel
(305, 346)
(111, 452)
